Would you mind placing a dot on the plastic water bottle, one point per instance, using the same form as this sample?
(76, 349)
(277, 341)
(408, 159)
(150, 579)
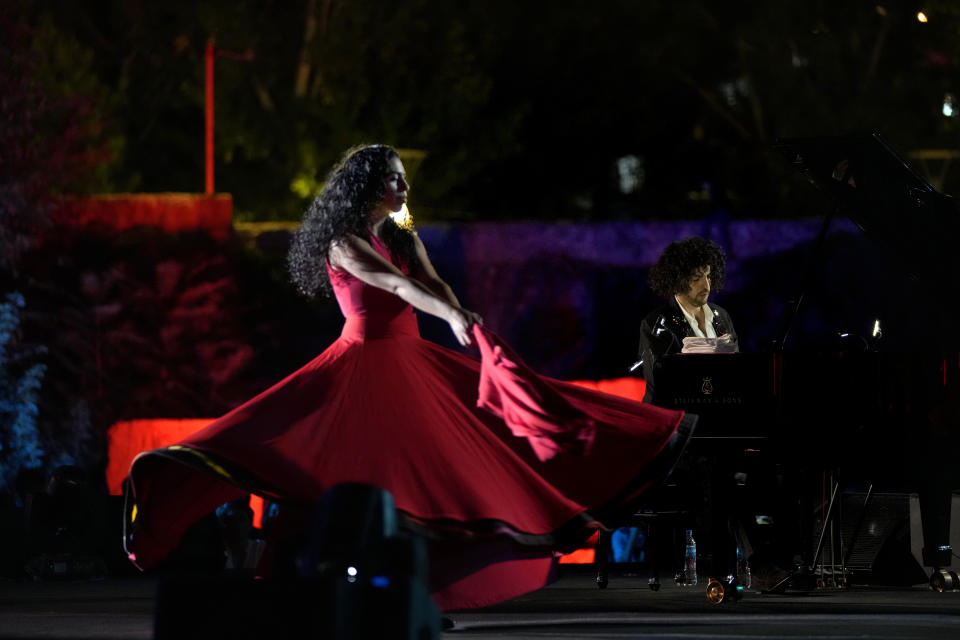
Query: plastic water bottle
(743, 570)
(690, 561)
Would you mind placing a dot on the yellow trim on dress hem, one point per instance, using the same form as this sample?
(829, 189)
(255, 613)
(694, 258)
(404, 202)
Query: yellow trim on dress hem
(210, 463)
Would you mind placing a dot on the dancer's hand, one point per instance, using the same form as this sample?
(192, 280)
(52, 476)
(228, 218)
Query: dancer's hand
(460, 321)
(475, 317)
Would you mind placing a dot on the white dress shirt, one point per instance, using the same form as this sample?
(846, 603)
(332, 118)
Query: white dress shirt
(707, 321)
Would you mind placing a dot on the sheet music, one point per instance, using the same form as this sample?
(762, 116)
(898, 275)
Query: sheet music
(723, 344)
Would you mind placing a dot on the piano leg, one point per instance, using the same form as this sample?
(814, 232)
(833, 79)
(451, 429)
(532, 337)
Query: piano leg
(602, 554)
(936, 498)
(936, 466)
(715, 543)
(720, 509)
(935, 519)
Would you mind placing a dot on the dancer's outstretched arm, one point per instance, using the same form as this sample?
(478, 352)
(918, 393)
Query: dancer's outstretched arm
(358, 258)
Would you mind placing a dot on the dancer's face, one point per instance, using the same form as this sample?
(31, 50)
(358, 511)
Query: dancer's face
(395, 187)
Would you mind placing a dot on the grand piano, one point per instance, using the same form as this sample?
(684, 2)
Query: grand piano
(887, 411)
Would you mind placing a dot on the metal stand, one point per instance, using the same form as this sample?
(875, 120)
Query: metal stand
(804, 578)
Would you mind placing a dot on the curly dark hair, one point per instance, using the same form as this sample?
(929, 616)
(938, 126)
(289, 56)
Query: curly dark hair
(679, 263)
(352, 188)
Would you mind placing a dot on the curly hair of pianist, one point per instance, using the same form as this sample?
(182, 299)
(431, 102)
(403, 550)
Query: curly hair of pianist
(681, 261)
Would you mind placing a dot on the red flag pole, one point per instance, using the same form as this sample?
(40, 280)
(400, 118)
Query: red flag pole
(209, 118)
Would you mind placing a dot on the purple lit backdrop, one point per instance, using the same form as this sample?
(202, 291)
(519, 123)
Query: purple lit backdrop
(570, 297)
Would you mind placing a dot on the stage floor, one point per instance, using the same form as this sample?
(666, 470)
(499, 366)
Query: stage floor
(573, 607)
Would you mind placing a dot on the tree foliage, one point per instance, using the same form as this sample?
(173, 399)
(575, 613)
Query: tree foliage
(21, 379)
(518, 109)
(23, 175)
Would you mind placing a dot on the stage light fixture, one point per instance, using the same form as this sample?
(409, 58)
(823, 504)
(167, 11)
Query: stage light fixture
(357, 556)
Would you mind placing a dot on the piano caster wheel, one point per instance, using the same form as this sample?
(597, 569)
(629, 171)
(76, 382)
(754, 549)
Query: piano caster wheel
(724, 591)
(654, 584)
(944, 580)
(601, 582)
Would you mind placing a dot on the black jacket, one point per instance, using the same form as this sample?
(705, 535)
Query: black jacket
(662, 333)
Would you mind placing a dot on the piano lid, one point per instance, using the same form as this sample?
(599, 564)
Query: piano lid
(884, 196)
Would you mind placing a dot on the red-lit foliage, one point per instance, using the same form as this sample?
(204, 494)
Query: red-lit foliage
(170, 212)
(136, 325)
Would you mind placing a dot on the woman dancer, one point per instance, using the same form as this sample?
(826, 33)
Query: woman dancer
(496, 489)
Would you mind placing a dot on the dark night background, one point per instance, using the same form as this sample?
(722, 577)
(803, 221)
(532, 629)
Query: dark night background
(554, 147)
(520, 110)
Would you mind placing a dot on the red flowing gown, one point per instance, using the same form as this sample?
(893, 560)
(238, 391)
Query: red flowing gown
(497, 490)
